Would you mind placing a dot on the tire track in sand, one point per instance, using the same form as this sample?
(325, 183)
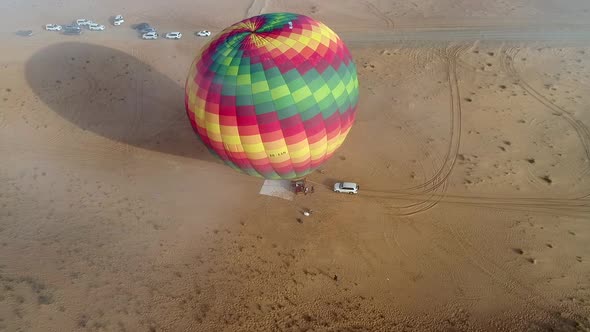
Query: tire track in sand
(436, 187)
(450, 56)
(433, 191)
(428, 194)
(499, 274)
(575, 207)
(257, 7)
(579, 127)
(377, 13)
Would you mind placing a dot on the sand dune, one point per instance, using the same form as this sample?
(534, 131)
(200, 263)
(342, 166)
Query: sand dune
(471, 146)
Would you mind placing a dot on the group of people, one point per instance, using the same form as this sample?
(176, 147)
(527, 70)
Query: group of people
(307, 190)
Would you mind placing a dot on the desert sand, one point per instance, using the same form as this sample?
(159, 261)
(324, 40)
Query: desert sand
(471, 146)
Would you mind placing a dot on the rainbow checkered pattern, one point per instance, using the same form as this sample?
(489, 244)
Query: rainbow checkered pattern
(273, 95)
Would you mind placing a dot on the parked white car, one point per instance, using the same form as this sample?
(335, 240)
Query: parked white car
(24, 33)
(118, 20)
(53, 27)
(96, 27)
(173, 35)
(150, 35)
(204, 33)
(346, 187)
(83, 21)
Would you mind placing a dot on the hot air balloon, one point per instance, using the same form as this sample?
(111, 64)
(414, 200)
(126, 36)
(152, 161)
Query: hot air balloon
(273, 95)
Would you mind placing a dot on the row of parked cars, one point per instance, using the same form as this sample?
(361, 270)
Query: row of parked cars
(146, 31)
(76, 27)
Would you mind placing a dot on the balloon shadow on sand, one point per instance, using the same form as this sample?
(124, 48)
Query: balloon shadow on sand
(115, 95)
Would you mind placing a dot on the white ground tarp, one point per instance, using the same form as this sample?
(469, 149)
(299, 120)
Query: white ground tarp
(278, 188)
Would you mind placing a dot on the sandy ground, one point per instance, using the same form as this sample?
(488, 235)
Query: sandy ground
(472, 155)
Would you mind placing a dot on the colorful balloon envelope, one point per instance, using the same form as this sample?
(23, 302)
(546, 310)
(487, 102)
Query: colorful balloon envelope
(274, 95)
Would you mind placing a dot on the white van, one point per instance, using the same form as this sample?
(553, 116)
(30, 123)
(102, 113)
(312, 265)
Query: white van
(83, 21)
(346, 187)
(173, 35)
(150, 35)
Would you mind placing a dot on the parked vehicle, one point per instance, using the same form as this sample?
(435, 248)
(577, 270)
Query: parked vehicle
(72, 27)
(83, 21)
(147, 30)
(204, 33)
(346, 187)
(141, 26)
(72, 31)
(53, 27)
(24, 33)
(96, 27)
(150, 35)
(173, 35)
(118, 20)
